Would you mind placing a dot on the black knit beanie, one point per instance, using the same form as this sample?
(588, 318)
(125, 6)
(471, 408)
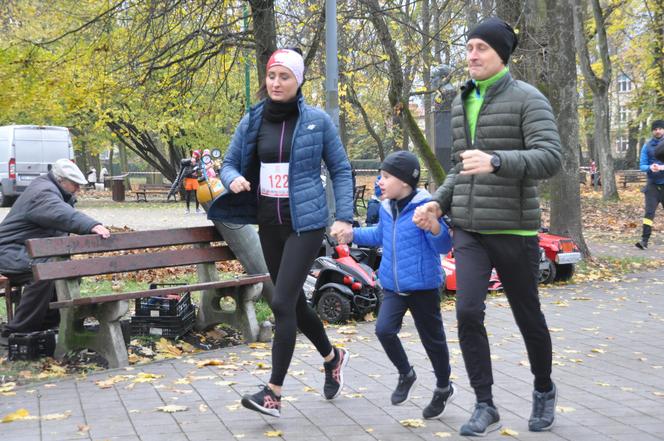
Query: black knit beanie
(498, 34)
(658, 124)
(404, 166)
(659, 151)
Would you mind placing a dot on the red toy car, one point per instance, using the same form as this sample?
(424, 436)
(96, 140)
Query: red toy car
(557, 258)
(561, 255)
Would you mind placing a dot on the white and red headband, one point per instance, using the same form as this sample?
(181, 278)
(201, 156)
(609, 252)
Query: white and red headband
(289, 59)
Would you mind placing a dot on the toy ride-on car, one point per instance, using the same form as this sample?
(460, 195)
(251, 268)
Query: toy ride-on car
(561, 255)
(338, 286)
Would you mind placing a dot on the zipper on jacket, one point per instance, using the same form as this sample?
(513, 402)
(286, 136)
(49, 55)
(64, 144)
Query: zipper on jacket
(291, 204)
(281, 148)
(394, 253)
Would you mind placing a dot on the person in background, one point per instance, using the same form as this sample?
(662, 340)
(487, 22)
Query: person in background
(92, 178)
(504, 139)
(44, 209)
(411, 275)
(373, 206)
(654, 189)
(272, 169)
(191, 181)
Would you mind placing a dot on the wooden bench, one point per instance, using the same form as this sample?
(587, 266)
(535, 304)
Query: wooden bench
(12, 295)
(633, 176)
(152, 189)
(358, 198)
(198, 248)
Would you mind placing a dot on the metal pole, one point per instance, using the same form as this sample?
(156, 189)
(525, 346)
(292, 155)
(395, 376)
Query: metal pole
(331, 86)
(247, 75)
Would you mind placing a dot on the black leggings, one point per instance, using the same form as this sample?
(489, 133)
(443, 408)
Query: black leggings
(187, 197)
(289, 257)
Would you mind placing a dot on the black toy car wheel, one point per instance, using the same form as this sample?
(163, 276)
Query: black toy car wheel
(564, 272)
(333, 307)
(548, 274)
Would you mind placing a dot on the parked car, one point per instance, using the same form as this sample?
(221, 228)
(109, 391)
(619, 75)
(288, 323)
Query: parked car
(27, 152)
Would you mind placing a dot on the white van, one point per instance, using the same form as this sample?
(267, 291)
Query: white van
(27, 152)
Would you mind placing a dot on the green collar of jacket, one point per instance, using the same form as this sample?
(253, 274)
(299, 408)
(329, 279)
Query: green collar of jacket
(474, 100)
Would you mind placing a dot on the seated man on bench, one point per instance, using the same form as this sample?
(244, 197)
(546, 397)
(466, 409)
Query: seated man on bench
(45, 209)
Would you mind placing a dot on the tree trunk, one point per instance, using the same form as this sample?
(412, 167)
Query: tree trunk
(600, 88)
(265, 34)
(565, 194)
(399, 100)
(603, 145)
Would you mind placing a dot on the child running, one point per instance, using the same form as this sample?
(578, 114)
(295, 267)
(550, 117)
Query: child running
(411, 274)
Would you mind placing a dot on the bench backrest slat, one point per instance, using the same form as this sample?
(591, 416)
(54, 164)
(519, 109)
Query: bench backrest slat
(93, 243)
(131, 262)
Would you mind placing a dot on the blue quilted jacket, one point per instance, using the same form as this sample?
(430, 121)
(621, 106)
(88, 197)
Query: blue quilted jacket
(315, 139)
(411, 256)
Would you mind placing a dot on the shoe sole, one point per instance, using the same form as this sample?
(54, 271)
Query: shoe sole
(341, 373)
(246, 402)
(410, 392)
(449, 400)
(490, 428)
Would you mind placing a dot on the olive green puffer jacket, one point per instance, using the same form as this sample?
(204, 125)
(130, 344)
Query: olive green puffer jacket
(516, 123)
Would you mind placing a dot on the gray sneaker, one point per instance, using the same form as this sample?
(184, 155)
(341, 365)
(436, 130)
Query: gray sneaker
(543, 414)
(404, 387)
(484, 419)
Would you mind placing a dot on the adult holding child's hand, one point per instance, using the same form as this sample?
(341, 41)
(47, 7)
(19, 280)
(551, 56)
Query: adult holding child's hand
(272, 169)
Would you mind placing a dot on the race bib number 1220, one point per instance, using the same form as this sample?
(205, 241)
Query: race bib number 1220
(274, 179)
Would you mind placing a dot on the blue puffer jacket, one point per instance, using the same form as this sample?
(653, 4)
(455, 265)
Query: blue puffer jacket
(648, 158)
(315, 138)
(411, 256)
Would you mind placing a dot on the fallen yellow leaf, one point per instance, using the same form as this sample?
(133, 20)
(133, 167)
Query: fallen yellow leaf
(20, 414)
(274, 433)
(56, 416)
(209, 362)
(509, 432)
(171, 408)
(7, 387)
(145, 377)
(442, 434)
(413, 422)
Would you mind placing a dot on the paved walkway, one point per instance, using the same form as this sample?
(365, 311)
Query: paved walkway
(608, 365)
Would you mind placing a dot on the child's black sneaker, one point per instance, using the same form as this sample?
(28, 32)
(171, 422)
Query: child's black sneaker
(265, 401)
(334, 373)
(404, 387)
(441, 398)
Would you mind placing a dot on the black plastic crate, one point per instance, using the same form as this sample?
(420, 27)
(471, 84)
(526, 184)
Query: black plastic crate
(172, 306)
(168, 327)
(32, 345)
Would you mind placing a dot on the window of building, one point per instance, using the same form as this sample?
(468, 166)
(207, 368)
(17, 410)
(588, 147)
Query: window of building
(622, 143)
(624, 83)
(623, 114)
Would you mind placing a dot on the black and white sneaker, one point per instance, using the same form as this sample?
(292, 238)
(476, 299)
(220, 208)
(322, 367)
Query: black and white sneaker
(404, 387)
(334, 373)
(441, 398)
(264, 401)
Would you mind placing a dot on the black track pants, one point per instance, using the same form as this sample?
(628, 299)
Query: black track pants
(516, 258)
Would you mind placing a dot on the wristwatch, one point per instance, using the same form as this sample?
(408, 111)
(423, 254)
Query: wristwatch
(495, 162)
